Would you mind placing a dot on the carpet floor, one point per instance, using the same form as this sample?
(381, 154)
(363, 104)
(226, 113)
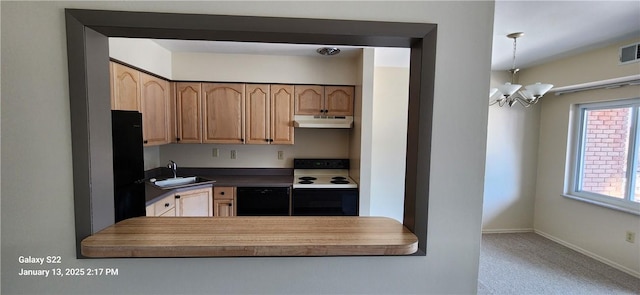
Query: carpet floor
(527, 263)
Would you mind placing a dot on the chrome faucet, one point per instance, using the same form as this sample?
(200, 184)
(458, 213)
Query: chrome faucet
(174, 167)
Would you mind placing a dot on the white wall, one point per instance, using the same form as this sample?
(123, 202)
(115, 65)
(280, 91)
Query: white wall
(142, 53)
(263, 68)
(510, 171)
(389, 142)
(362, 133)
(592, 229)
(38, 219)
(309, 143)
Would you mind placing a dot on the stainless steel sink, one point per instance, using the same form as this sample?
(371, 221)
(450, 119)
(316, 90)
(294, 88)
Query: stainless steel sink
(176, 182)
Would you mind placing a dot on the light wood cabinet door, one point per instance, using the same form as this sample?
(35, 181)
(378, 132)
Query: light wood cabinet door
(197, 202)
(339, 100)
(224, 201)
(164, 207)
(223, 108)
(258, 114)
(169, 213)
(223, 208)
(282, 104)
(188, 113)
(309, 99)
(173, 123)
(154, 106)
(125, 88)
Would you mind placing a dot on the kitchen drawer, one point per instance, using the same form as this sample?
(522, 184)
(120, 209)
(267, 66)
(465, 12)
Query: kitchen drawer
(165, 205)
(223, 192)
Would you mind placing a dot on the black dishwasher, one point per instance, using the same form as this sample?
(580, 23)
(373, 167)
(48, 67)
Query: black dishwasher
(262, 201)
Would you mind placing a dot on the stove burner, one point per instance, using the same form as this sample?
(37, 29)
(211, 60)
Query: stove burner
(339, 182)
(305, 182)
(339, 178)
(307, 178)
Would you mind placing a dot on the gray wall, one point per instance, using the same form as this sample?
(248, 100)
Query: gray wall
(37, 202)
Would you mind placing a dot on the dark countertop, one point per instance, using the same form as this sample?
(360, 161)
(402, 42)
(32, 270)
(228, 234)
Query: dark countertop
(224, 177)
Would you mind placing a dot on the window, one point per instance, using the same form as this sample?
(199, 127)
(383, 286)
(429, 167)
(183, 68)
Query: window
(606, 158)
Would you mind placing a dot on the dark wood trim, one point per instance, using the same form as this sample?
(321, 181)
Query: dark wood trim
(87, 32)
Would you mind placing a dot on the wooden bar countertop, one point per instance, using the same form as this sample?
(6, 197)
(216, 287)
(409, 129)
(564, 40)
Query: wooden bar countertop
(251, 236)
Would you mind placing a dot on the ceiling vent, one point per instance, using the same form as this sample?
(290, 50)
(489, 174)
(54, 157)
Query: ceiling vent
(629, 53)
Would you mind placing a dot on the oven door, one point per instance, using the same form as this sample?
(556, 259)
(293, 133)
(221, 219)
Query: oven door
(325, 202)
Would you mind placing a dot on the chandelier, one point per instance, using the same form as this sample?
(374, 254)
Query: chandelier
(510, 93)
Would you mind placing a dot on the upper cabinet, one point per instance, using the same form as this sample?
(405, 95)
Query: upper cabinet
(188, 112)
(258, 114)
(133, 90)
(324, 100)
(154, 106)
(309, 100)
(269, 115)
(235, 113)
(282, 102)
(125, 88)
(338, 100)
(223, 113)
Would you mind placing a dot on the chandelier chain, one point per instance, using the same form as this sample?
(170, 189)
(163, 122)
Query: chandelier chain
(513, 64)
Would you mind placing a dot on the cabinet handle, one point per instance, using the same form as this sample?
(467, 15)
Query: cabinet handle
(145, 142)
(266, 139)
(222, 193)
(241, 139)
(166, 204)
(177, 138)
(177, 196)
(270, 139)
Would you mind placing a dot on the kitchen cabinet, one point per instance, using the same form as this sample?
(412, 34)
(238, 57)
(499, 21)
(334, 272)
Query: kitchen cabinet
(269, 114)
(282, 104)
(324, 100)
(154, 106)
(309, 99)
(338, 100)
(173, 124)
(125, 88)
(164, 207)
(223, 112)
(224, 201)
(132, 90)
(188, 113)
(196, 202)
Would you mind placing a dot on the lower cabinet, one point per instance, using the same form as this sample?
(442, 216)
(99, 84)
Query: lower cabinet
(224, 201)
(196, 202)
(164, 207)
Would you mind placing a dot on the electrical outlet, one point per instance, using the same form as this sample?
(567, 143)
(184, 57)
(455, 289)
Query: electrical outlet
(215, 152)
(280, 155)
(630, 237)
(233, 154)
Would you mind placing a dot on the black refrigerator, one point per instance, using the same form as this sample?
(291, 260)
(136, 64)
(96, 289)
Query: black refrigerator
(128, 164)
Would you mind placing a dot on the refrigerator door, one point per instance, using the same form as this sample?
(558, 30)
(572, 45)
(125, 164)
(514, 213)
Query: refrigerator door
(128, 164)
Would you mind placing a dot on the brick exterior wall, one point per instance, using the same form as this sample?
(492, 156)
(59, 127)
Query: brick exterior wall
(605, 152)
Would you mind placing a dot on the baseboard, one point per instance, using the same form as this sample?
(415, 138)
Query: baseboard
(590, 254)
(507, 231)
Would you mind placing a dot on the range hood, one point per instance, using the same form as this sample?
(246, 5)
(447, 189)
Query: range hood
(301, 121)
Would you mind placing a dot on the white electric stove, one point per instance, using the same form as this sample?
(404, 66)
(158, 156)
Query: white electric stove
(323, 178)
(323, 187)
